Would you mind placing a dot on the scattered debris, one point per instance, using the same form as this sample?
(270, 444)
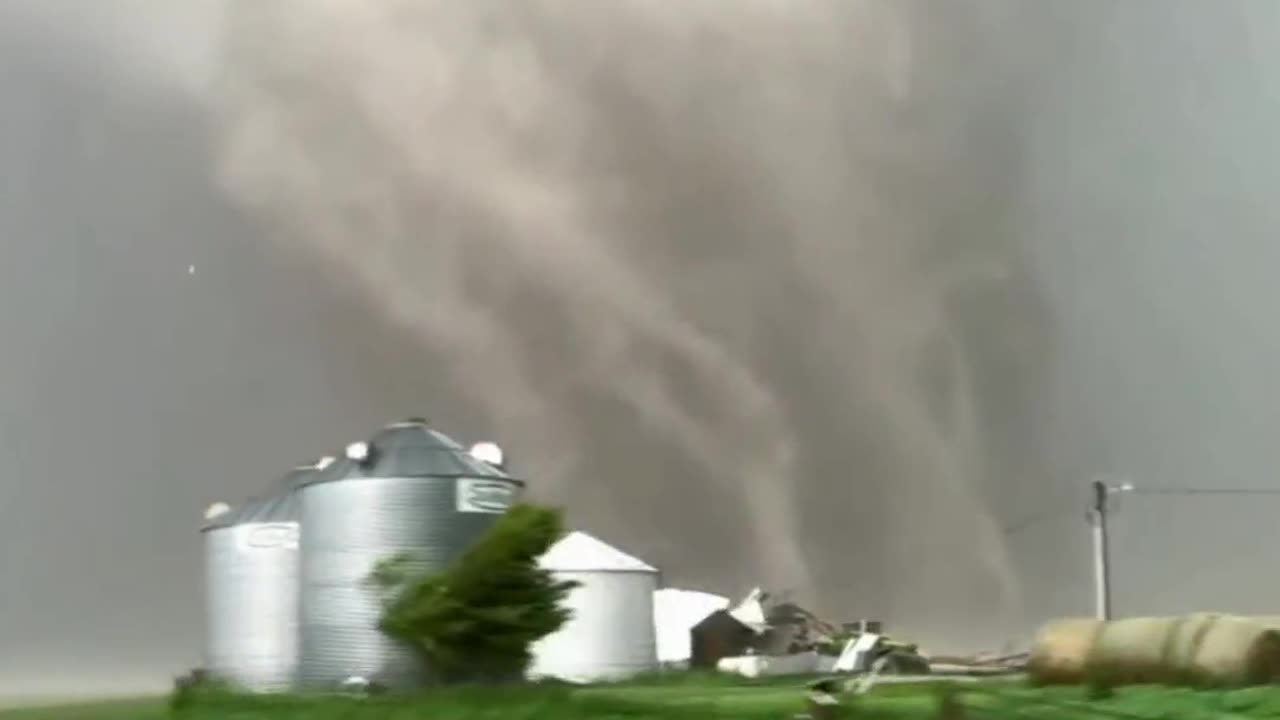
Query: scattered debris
(823, 705)
(762, 637)
(754, 666)
(981, 667)
(857, 653)
(196, 678)
(868, 680)
(361, 687)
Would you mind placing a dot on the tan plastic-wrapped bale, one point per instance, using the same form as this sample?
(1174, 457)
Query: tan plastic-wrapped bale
(1234, 651)
(1183, 645)
(1060, 650)
(1197, 649)
(1132, 651)
(1203, 649)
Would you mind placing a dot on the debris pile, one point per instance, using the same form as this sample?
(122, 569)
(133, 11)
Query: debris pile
(980, 665)
(764, 636)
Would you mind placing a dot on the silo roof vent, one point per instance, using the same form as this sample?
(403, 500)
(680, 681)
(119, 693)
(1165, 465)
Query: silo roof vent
(409, 450)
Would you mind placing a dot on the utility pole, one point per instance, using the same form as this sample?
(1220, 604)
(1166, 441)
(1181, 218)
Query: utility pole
(1101, 551)
(1099, 511)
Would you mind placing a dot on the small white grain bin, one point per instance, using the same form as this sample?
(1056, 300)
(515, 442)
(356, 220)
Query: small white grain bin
(675, 612)
(611, 633)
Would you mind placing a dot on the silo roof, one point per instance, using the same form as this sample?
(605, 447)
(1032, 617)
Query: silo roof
(269, 508)
(302, 475)
(580, 552)
(279, 506)
(412, 449)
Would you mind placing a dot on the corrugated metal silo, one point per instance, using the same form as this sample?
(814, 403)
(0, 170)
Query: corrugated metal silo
(410, 490)
(611, 633)
(251, 586)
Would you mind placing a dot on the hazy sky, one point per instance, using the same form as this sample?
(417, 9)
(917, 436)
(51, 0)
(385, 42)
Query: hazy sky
(822, 296)
(133, 393)
(1155, 228)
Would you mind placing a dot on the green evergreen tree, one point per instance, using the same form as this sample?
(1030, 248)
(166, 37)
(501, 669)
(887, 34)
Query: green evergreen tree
(478, 619)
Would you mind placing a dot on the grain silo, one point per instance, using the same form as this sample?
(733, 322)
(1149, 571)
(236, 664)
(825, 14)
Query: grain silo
(611, 633)
(251, 586)
(409, 491)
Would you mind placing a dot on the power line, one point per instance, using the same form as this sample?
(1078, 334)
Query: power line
(1062, 507)
(1103, 490)
(1034, 520)
(1202, 491)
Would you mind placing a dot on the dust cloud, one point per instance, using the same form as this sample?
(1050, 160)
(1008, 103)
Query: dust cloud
(831, 296)
(681, 260)
(131, 393)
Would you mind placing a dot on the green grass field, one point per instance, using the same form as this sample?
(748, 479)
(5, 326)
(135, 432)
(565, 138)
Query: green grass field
(139, 709)
(690, 699)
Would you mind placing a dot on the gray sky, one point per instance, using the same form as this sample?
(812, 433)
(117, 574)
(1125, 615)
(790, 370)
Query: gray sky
(823, 297)
(1154, 171)
(133, 393)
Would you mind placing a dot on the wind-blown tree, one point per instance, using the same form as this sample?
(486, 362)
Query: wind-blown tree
(478, 619)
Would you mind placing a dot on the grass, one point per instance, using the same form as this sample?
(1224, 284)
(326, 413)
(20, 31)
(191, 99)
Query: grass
(690, 698)
(1137, 703)
(134, 709)
(643, 702)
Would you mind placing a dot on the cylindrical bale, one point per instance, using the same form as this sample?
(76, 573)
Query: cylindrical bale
(1182, 645)
(1234, 651)
(1061, 650)
(1132, 651)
